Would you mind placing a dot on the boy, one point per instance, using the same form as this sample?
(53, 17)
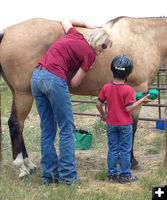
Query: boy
(120, 103)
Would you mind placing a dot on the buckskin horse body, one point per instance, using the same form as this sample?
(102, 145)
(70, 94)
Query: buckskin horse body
(144, 40)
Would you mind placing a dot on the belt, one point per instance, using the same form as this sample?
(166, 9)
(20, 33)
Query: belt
(41, 67)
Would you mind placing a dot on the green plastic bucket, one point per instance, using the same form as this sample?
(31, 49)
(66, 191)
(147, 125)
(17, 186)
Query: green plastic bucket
(83, 139)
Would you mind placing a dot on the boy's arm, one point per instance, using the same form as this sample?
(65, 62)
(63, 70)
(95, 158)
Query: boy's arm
(138, 103)
(99, 106)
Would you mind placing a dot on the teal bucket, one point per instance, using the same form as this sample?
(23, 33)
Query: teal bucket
(83, 139)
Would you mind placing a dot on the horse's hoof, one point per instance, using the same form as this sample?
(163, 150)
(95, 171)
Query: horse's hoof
(34, 170)
(23, 176)
(136, 166)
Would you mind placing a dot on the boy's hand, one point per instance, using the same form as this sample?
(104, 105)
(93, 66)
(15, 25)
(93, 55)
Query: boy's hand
(145, 99)
(103, 117)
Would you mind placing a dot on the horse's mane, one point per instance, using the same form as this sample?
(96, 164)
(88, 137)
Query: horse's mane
(114, 21)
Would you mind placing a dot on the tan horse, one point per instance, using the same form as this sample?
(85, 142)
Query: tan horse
(143, 40)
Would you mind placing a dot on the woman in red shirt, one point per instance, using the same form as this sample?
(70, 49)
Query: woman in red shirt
(71, 53)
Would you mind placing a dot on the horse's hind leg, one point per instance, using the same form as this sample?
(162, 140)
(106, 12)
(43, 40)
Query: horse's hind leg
(21, 107)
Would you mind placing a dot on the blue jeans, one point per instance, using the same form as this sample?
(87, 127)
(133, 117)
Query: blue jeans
(53, 103)
(119, 146)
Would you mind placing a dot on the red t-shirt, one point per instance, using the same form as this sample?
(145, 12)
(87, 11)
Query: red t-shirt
(118, 96)
(68, 54)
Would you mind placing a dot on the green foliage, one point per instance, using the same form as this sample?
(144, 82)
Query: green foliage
(99, 127)
(100, 135)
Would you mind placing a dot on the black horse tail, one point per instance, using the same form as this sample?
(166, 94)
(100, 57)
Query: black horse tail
(1, 37)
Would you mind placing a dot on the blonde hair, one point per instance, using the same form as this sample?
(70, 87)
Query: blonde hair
(98, 37)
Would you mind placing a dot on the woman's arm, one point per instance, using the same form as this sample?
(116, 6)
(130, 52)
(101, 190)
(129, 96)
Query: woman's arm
(68, 23)
(77, 79)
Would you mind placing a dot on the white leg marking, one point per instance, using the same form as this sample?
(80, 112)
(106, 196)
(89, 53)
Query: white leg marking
(23, 171)
(30, 166)
(19, 164)
(18, 161)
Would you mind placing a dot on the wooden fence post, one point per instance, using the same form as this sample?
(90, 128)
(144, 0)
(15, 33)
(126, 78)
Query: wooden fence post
(165, 144)
(0, 137)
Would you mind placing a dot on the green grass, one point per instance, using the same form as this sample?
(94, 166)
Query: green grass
(99, 129)
(6, 101)
(5, 98)
(84, 106)
(32, 188)
(156, 145)
(91, 165)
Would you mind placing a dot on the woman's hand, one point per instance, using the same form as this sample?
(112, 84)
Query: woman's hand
(68, 23)
(90, 26)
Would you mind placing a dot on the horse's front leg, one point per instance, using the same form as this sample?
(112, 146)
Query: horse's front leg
(21, 107)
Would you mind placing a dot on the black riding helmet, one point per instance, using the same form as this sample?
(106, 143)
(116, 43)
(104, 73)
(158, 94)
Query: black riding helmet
(121, 66)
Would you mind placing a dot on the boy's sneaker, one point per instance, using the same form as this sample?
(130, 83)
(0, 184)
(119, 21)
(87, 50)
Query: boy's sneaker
(48, 182)
(112, 178)
(56, 181)
(127, 179)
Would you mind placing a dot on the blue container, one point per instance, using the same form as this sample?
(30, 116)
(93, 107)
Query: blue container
(160, 125)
